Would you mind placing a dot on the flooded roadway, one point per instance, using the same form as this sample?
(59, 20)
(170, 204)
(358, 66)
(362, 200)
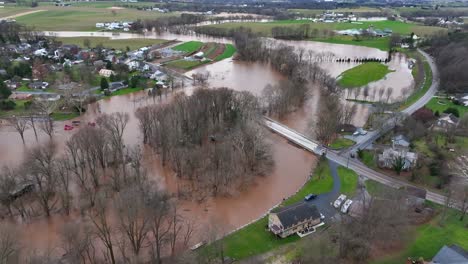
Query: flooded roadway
(292, 165)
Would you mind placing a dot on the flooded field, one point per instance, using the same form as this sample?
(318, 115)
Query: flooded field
(292, 165)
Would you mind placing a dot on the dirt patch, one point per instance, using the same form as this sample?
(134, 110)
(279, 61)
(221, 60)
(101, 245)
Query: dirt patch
(213, 50)
(23, 14)
(218, 51)
(116, 8)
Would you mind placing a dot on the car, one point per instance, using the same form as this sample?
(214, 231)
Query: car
(76, 123)
(339, 201)
(322, 216)
(310, 197)
(346, 205)
(67, 128)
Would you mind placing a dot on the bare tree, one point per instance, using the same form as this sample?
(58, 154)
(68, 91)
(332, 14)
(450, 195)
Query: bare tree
(20, 124)
(9, 244)
(64, 170)
(46, 108)
(41, 167)
(103, 229)
(134, 220)
(389, 93)
(77, 243)
(160, 224)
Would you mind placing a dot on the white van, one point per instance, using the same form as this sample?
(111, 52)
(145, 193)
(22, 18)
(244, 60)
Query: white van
(339, 201)
(346, 205)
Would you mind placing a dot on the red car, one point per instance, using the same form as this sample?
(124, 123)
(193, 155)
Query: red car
(91, 124)
(67, 128)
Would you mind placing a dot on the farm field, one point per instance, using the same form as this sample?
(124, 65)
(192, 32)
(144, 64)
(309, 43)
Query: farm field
(363, 74)
(395, 26)
(121, 44)
(212, 52)
(84, 18)
(378, 43)
(313, 12)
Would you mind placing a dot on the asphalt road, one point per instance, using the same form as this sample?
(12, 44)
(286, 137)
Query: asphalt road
(364, 141)
(344, 159)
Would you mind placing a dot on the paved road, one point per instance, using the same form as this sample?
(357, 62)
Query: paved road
(323, 201)
(307, 144)
(364, 141)
(344, 159)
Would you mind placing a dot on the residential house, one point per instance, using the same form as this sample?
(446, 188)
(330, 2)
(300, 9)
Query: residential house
(289, 220)
(158, 75)
(452, 254)
(389, 155)
(400, 142)
(462, 99)
(38, 85)
(20, 96)
(446, 122)
(106, 72)
(3, 72)
(12, 85)
(115, 86)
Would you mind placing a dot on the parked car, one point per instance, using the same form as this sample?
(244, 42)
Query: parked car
(310, 197)
(322, 216)
(346, 205)
(76, 123)
(360, 132)
(67, 128)
(339, 201)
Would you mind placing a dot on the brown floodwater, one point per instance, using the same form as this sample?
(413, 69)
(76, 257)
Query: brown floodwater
(292, 165)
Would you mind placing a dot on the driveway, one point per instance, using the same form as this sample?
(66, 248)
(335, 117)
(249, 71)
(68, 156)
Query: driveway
(323, 201)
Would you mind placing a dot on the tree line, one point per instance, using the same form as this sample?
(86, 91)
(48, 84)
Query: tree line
(100, 178)
(212, 139)
(451, 54)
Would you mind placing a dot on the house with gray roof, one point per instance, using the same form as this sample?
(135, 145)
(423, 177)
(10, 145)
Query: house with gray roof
(289, 220)
(451, 255)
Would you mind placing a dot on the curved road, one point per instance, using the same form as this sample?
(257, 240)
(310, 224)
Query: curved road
(344, 159)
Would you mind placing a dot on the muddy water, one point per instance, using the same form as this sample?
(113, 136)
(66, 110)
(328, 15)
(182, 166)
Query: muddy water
(292, 164)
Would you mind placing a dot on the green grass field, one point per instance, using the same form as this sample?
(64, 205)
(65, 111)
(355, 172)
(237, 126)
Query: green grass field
(395, 26)
(120, 44)
(441, 104)
(348, 180)
(421, 91)
(254, 239)
(185, 64)
(313, 12)
(341, 142)
(431, 237)
(368, 158)
(363, 74)
(228, 52)
(81, 18)
(59, 116)
(378, 43)
(189, 47)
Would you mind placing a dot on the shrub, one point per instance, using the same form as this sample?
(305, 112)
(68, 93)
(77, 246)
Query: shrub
(452, 110)
(7, 105)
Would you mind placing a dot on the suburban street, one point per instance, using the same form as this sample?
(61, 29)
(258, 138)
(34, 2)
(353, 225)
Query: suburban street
(343, 158)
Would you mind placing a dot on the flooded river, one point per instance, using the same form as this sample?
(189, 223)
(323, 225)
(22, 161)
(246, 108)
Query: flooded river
(292, 165)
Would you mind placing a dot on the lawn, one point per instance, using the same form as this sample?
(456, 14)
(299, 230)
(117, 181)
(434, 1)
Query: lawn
(348, 180)
(375, 188)
(368, 159)
(59, 116)
(81, 18)
(341, 142)
(421, 91)
(185, 64)
(441, 104)
(19, 109)
(120, 44)
(189, 47)
(378, 43)
(431, 237)
(228, 52)
(363, 74)
(254, 239)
